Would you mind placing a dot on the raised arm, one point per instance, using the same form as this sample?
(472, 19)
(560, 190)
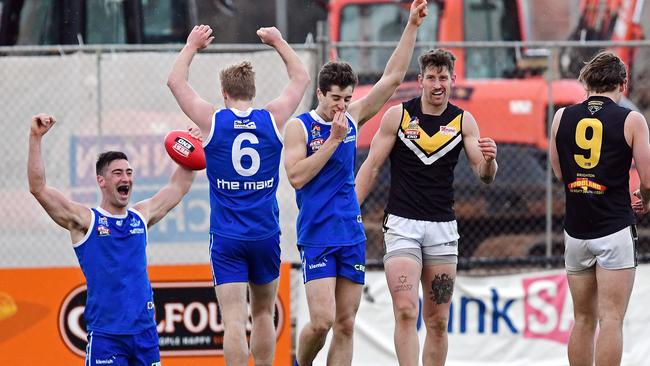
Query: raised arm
(481, 151)
(381, 145)
(365, 108)
(155, 208)
(195, 107)
(300, 168)
(285, 105)
(70, 215)
(555, 159)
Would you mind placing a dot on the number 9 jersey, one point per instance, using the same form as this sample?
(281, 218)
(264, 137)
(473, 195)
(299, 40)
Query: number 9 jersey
(595, 161)
(242, 156)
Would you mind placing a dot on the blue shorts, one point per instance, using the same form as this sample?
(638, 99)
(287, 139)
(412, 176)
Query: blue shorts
(257, 261)
(339, 261)
(123, 349)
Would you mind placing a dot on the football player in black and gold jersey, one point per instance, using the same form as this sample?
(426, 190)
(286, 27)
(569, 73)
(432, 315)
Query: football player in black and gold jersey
(592, 146)
(424, 137)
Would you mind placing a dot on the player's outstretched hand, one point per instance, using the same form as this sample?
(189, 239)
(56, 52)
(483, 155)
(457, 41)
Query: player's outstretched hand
(195, 132)
(200, 37)
(269, 35)
(41, 123)
(488, 148)
(418, 12)
(339, 126)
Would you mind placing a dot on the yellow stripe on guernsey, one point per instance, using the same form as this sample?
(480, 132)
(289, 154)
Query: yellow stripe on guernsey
(431, 148)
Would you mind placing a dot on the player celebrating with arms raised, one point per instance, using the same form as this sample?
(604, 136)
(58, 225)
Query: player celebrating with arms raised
(243, 148)
(320, 156)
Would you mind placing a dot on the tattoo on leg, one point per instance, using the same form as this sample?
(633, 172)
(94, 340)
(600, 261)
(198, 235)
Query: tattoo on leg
(442, 287)
(404, 284)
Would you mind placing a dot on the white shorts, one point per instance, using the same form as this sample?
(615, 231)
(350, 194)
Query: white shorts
(614, 251)
(427, 241)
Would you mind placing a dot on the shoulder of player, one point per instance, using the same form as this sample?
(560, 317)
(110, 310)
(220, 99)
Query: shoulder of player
(392, 117)
(294, 130)
(635, 120)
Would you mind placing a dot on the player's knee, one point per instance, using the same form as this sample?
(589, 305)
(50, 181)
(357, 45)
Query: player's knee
(406, 313)
(611, 319)
(262, 311)
(322, 324)
(585, 318)
(345, 326)
(436, 325)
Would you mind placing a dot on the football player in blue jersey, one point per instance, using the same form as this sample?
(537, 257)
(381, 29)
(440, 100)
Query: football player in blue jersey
(110, 244)
(320, 155)
(243, 148)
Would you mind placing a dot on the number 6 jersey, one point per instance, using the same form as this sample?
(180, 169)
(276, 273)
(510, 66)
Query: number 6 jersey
(595, 160)
(243, 160)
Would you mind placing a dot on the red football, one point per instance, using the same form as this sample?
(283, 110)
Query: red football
(185, 149)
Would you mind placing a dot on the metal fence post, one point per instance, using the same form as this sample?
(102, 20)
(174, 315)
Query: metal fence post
(549, 169)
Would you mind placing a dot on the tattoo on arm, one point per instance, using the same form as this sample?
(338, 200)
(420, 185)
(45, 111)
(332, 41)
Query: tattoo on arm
(442, 287)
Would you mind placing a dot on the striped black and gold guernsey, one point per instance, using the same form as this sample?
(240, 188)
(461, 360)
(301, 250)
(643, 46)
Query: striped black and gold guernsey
(595, 161)
(422, 163)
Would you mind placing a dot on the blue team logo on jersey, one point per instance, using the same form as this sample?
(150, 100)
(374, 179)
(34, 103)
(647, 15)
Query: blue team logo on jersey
(103, 230)
(135, 222)
(244, 124)
(103, 220)
(315, 130)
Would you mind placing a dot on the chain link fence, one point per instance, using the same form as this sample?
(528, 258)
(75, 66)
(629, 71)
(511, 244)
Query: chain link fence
(116, 98)
(516, 222)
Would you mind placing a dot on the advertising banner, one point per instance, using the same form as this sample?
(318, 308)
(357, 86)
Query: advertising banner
(510, 320)
(41, 316)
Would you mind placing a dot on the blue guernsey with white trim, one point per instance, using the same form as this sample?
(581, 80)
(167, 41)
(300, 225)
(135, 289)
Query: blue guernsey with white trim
(243, 162)
(329, 213)
(113, 258)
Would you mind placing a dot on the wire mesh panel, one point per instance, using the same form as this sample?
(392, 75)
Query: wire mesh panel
(115, 101)
(517, 221)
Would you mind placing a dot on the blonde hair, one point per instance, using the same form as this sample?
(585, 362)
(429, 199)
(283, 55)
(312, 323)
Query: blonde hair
(238, 81)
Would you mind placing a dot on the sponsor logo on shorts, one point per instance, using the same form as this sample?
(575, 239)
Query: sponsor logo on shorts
(318, 265)
(359, 219)
(187, 319)
(108, 361)
(156, 364)
(360, 267)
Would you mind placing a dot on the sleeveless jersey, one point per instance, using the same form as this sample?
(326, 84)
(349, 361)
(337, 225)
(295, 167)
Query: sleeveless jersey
(113, 259)
(329, 213)
(242, 156)
(422, 163)
(595, 161)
